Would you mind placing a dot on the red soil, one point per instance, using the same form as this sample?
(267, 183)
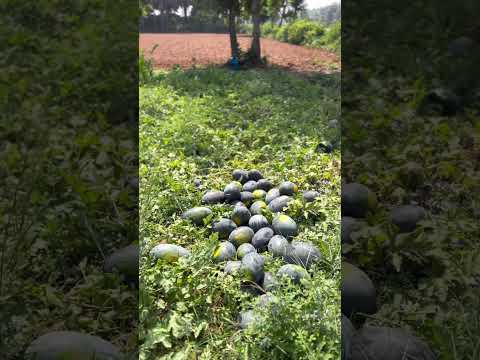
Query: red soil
(187, 50)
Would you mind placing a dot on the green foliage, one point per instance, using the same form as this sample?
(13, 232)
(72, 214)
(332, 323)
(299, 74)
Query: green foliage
(302, 32)
(427, 280)
(65, 93)
(203, 124)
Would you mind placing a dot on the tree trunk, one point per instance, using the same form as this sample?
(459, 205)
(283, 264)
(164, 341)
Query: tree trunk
(232, 28)
(255, 49)
(284, 12)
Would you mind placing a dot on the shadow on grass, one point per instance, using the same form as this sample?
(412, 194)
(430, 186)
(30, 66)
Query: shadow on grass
(220, 79)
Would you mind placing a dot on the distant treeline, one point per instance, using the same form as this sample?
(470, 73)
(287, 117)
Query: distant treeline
(172, 23)
(327, 15)
(169, 16)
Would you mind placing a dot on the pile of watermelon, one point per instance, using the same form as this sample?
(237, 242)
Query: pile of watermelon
(247, 233)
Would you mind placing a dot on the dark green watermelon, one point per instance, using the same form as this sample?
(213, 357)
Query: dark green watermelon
(253, 267)
(241, 215)
(310, 195)
(254, 175)
(250, 186)
(244, 249)
(294, 272)
(257, 207)
(224, 227)
(348, 333)
(264, 184)
(379, 343)
(247, 198)
(224, 251)
(257, 222)
(406, 217)
(288, 188)
(259, 194)
(232, 191)
(197, 214)
(270, 282)
(232, 267)
(125, 262)
(241, 235)
(279, 204)
(349, 226)
(169, 252)
(302, 253)
(272, 194)
(58, 345)
(240, 175)
(357, 200)
(262, 237)
(213, 197)
(284, 225)
(278, 245)
(358, 293)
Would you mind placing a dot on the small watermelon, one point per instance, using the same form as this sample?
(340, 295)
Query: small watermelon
(284, 225)
(262, 237)
(241, 235)
(224, 251)
(169, 252)
(197, 214)
(258, 222)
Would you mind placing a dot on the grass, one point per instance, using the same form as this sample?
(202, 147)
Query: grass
(203, 124)
(427, 283)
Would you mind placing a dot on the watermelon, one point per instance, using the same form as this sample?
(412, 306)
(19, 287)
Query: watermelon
(244, 249)
(378, 343)
(197, 214)
(241, 215)
(294, 272)
(302, 253)
(213, 197)
(224, 251)
(254, 175)
(284, 225)
(252, 267)
(262, 237)
(277, 246)
(406, 217)
(59, 345)
(257, 207)
(358, 292)
(224, 227)
(288, 188)
(250, 186)
(241, 235)
(357, 200)
(258, 222)
(264, 184)
(124, 261)
(240, 175)
(272, 194)
(168, 252)
(279, 204)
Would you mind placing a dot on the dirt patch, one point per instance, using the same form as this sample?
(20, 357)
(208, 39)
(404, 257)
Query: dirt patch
(187, 50)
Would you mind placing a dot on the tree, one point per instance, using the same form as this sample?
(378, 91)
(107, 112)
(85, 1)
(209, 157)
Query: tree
(233, 9)
(255, 49)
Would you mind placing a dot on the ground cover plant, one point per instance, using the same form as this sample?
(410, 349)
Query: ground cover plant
(67, 165)
(197, 126)
(410, 125)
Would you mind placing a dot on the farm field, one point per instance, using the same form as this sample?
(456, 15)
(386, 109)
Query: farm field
(187, 50)
(196, 127)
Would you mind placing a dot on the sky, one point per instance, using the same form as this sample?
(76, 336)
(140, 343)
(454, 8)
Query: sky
(315, 4)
